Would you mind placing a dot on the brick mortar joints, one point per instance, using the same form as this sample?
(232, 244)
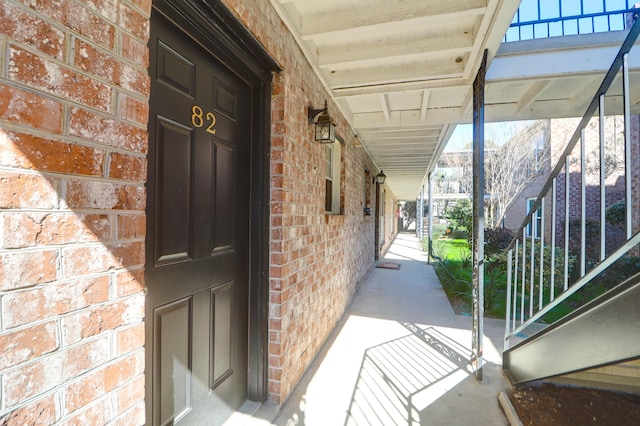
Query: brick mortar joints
(66, 138)
(66, 65)
(135, 7)
(71, 280)
(108, 212)
(4, 57)
(60, 393)
(66, 103)
(60, 349)
(70, 33)
(84, 244)
(66, 177)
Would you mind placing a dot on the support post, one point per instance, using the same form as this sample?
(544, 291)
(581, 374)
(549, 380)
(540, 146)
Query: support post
(419, 215)
(430, 217)
(477, 239)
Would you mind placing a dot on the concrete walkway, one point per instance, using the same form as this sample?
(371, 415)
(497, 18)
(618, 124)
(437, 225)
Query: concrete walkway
(400, 356)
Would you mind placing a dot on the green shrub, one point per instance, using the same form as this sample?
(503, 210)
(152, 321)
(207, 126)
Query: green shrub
(466, 257)
(459, 235)
(437, 248)
(438, 230)
(460, 216)
(615, 213)
(496, 240)
(451, 280)
(546, 280)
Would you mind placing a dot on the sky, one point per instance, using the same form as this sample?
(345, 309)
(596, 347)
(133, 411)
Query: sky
(497, 132)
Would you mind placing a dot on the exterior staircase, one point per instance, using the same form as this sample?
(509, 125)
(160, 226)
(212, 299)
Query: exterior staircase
(596, 344)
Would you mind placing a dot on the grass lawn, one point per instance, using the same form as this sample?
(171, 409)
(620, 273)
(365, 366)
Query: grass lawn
(455, 274)
(456, 250)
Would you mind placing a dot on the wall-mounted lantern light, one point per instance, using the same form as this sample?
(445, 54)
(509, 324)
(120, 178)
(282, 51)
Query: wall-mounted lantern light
(380, 178)
(325, 130)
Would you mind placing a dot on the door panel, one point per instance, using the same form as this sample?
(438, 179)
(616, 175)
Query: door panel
(222, 347)
(197, 232)
(174, 150)
(223, 197)
(173, 349)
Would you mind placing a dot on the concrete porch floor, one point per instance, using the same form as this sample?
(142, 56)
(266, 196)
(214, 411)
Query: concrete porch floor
(399, 356)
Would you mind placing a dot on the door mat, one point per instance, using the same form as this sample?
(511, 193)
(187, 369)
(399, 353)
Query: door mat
(388, 265)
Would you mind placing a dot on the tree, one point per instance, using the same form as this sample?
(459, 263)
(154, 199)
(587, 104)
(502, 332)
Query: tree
(408, 213)
(460, 216)
(511, 166)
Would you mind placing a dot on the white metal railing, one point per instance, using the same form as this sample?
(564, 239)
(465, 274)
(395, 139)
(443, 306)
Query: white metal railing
(536, 19)
(536, 257)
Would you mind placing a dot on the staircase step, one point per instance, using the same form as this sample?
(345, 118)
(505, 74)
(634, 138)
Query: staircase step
(600, 333)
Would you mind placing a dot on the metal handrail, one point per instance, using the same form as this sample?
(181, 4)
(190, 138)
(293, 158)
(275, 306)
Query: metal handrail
(581, 20)
(576, 286)
(593, 106)
(523, 242)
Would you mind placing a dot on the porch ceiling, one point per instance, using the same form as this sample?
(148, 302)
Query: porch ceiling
(401, 71)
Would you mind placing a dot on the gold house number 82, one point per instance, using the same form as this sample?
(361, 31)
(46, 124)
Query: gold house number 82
(199, 118)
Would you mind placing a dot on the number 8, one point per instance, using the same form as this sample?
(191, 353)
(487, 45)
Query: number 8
(196, 116)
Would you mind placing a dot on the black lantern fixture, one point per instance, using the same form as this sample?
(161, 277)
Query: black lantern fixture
(325, 130)
(380, 178)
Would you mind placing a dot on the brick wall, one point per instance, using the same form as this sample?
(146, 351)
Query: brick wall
(73, 108)
(614, 183)
(73, 115)
(559, 133)
(635, 177)
(316, 259)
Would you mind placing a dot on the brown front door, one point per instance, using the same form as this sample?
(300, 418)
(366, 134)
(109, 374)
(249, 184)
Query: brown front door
(197, 232)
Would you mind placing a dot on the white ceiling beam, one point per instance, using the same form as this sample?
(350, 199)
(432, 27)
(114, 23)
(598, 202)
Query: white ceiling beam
(403, 86)
(400, 134)
(403, 129)
(346, 53)
(425, 147)
(398, 147)
(410, 174)
(391, 157)
(401, 142)
(445, 55)
(397, 73)
(382, 12)
(376, 138)
(402, 152)
(425, 104)
(587, 92)
(531, 94)
(384, 103)
(562, 62)
(467, 104)
(410, 118)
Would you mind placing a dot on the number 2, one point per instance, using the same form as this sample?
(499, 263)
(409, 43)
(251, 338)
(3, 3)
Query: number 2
(198, 118)
(212, 120)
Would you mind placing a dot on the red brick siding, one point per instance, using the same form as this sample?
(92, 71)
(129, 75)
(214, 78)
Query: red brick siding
(316, 259)
(73, 113)
(558, 134)
(74, 110)
(635, 179)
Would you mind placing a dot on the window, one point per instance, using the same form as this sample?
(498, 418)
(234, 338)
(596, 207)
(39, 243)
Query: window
(332, 177)
(536, 220)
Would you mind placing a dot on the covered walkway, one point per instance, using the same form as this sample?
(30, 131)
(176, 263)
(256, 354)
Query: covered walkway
(399, 356)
